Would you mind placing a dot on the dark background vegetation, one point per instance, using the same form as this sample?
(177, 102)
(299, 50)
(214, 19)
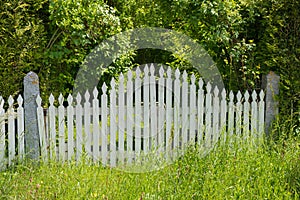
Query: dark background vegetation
(246, 38)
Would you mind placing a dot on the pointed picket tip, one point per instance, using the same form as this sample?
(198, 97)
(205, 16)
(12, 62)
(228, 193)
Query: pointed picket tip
(78, 98)
(146, 70)
(129, 75)
(1, 102)
(146, 73)
(193, 78)
(38, 100)
(231, 95)
(104, 88)
(177, 73)
(223, 93)
(147, 65)
(254, 95)
(261, 95)
(70, 99)
(216, 91)
(208, 87)
(20, 100)
(169, 72)
(184, 75)
(121, 83)
(10, 100)
(113, 83)
(60, 99)
(51, 99)
(138, 72)
(95, 93)
(121, 77)
(161, 72)
(201, 83)
(152, 69)
(87, 96)
(246, 95)
(239, 96)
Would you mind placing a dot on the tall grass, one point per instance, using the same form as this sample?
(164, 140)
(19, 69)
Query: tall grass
(236, 171)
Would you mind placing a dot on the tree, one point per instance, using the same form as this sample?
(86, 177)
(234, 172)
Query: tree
(245, 38)
(22, 41)
(75, 27)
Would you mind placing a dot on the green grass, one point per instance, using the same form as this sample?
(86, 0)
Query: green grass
(240, 171)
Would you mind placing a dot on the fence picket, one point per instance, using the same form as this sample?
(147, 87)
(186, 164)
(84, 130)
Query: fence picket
(137, 111)
(146, 104)
(185, 111)
(230, 114)
(41, 128)
(87, 136)
(52, 128)
(121, 119)
(130, 118)
(208, 115)
(70, 116)
(161, 112)
(176, 110)
(193, 110)
(223, 115)
(200, 113)
(216, 114)
(61, 129)
(261, 110)
(20, 121)
(113, 124)
(95, 134)
(254, 115)
(239, 109)
(104, 125)
(153, 113)
(2, 133)
(79, 139)
(169, 103)
(246, 110)
(11, 131)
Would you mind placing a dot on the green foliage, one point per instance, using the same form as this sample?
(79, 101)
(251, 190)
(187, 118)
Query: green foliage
(22, 40)
(219, 26)
(245, 38)
(76, 27)
(278, 50)
(237, 172)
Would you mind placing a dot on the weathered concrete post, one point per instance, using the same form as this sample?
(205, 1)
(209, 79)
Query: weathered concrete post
(31, 90)
(271, 86)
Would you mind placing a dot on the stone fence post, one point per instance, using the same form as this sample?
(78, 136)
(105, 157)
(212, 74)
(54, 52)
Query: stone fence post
(31, 91)
(271, 87)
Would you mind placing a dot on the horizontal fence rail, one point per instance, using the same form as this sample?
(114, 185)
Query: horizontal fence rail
(137, 115)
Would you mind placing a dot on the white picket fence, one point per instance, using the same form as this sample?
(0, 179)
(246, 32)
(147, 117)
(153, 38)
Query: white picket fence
(11, 132)
(140, 113)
